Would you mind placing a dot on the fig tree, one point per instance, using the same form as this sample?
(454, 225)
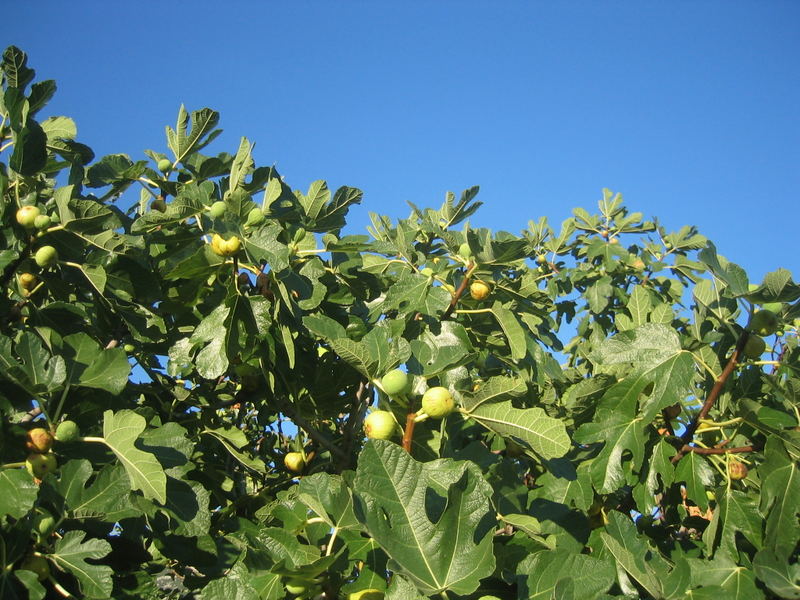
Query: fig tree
(438, 402)
(217, 209)
(26, 216)
(395, 382)
(479, 290)
(38, 440)
(754, 347)
(379, 425)
(294, 461)
(763, 323)
(46, 256)
(40, 465)
(67, 431)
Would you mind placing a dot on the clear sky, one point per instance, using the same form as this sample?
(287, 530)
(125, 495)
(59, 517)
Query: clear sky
(690, 109)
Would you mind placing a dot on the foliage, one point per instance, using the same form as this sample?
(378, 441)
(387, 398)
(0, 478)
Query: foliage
(601, 390)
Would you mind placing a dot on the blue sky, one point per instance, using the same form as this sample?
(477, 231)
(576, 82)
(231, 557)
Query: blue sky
(687, 108)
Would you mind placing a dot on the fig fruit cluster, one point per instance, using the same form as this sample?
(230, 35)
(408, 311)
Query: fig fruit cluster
(41, 460)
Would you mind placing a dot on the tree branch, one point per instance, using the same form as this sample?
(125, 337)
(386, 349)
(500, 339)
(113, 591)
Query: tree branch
(408, 431)
(717, 389)
(741, 449)
(459, 292)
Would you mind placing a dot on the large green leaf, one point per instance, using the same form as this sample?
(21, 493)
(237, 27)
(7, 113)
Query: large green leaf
(539, 574)
(780, 495)
(545, 435)
(773, 568)
(107, 497)
(328, 497)
(200, 133)
(71, 553)
(732, 579)
(121, 431)
(18, 492)
(433, 519)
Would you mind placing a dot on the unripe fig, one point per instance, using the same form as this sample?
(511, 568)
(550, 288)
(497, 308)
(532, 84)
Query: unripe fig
(38, 565)
(129, 348)
(159, 204)
(41, 222)
(294, 461)
(46, 256)
(217, 209)
(296, 587)
(27, 281)
(164, 165)
(368, 594)
(438, 402)
(464, 250)
(763, 323)
(478, 290)
(755, 346)
(395, 382)
(379, 425)
(38, 440)
(255, 217)
(44, 523)
(67, 431)
(541, 259)
(26, 216)
(737, 470)
(40, 465)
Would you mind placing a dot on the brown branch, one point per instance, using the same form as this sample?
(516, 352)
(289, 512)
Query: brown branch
(459, 292)
(717, 389)
(752, 448)
(408, 432)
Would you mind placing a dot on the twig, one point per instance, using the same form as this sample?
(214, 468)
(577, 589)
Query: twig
(459, 292)
(408, 431)
(697, 450)
(716, 390)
